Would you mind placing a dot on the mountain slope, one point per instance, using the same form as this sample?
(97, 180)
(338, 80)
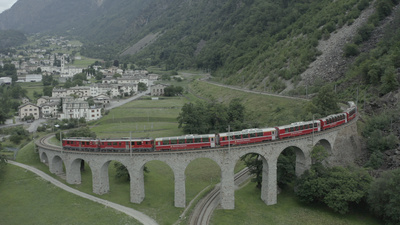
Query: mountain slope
(258, 44)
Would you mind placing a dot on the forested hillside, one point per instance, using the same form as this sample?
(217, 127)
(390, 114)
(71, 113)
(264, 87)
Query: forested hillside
(11, 38)
(257, 44)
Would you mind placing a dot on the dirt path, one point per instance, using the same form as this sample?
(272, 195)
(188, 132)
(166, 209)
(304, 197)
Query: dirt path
(142, 218)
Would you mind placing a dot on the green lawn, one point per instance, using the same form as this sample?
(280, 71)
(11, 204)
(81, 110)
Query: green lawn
(261, 109)
(28, 199)
(144, 118)
(32, 87)
(250, 209)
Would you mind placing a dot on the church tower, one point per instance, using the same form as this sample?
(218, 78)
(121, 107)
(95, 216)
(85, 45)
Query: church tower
(62, 64)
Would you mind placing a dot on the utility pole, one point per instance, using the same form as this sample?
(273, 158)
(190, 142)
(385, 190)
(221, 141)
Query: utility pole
(229, 137)
(313, 123)
(130, 143)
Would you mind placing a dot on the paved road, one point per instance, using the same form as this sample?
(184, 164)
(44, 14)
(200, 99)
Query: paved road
(114, 104)
(144, 219)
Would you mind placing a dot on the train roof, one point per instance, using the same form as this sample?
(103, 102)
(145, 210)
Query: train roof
(334, 115)
(298, 124)
(106, 140)
(247, 131)
(186, 136)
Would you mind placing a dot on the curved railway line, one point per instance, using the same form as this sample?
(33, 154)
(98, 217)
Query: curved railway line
(204, 209)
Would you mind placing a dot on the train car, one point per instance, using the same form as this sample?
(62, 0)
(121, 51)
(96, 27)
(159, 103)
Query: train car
(297, 129)
(126, 145)
(332, 121)
(80, 144)
(185, 142)
(247, 136)
(351, 112)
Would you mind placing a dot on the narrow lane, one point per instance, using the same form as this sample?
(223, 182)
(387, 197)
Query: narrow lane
(144, 219)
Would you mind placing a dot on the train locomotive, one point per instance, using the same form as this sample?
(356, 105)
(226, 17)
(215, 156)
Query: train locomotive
(193, 141)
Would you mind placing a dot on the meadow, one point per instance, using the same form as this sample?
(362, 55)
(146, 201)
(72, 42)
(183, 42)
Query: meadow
(155, 118)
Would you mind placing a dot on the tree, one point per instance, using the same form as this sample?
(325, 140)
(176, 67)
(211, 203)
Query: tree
(319, 154)
(3, 116)
(336, 187)
(326, 102)
(384, 198)
(47, 91)
(47, 80)
(3, 162)
(142, 86)
(173, 90)
(255, 165)
(236, 112)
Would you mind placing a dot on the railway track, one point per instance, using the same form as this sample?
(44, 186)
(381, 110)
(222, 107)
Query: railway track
(204, 209)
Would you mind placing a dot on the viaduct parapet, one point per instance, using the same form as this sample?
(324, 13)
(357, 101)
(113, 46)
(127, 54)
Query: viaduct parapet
(342, 143)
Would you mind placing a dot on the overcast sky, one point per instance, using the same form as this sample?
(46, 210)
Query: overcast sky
(6, 4)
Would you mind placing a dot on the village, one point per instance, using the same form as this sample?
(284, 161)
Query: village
(100, 86)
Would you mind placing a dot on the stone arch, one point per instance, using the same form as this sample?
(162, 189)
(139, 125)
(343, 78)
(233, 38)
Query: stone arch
(303, 160)
(168, 171)
(74, 171)
(326, 144)
(43, 158)
(203, 171)
(268, 183)
(56, 165)
(328, 147)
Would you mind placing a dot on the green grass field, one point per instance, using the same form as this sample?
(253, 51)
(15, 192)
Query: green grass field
(250, 209)
(28, 199)
(31, 87)
(147, 118)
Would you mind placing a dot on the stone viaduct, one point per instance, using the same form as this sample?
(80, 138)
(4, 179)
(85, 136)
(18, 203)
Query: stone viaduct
(342, 144)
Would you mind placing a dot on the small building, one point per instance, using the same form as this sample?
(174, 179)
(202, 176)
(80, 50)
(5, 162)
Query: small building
(33, 78)
(29, 109)
(157, 90)
(50, 109)
(5, 80)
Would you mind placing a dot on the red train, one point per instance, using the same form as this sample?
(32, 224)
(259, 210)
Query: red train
(187, 142)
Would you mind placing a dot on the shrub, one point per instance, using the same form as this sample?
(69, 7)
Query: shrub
(351, 50)
(384, 198)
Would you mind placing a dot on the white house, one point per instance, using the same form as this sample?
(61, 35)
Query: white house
(33, 78)
(50, 109)
(77, 109)
(5, 80)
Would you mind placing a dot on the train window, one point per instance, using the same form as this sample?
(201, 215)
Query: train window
(174, 141)
(315, 124)
(259, 134)
(108, 143)
(115, 143)
(206, 140)
(189, 140)
(238, 136)
(252, 134)
(291, 129)
(197, 140)
(138, 143)
(286, 130)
